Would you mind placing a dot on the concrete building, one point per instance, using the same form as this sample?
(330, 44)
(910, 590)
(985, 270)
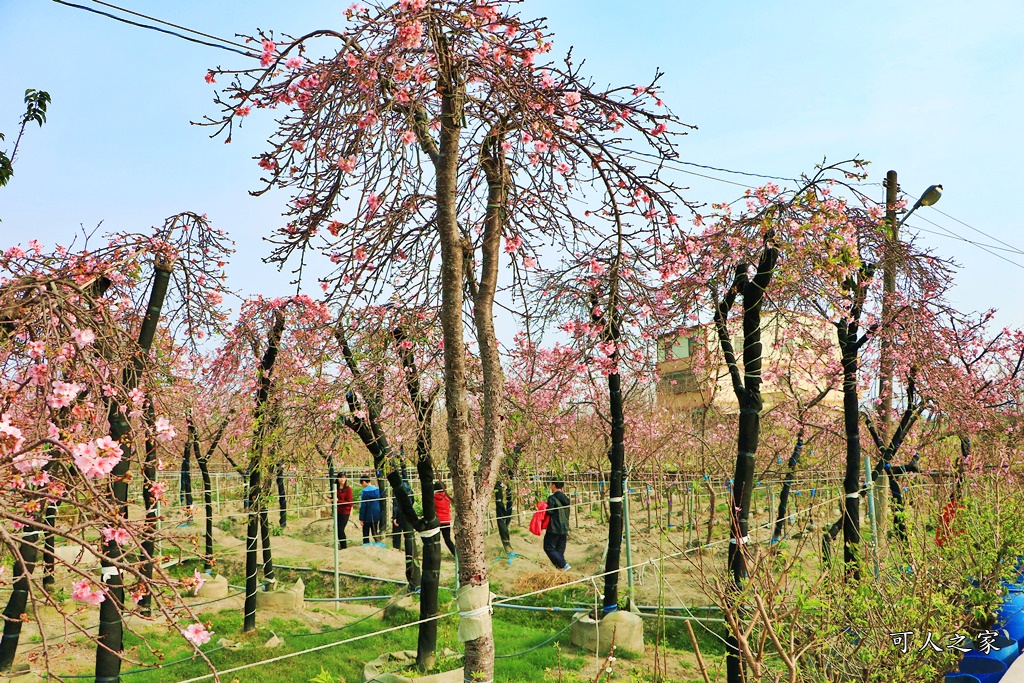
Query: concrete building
(801, 357)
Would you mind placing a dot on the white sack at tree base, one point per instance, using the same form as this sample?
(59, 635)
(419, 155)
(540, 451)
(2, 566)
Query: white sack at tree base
(474, 612)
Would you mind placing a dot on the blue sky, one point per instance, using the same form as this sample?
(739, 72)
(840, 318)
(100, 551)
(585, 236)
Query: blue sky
(932, 89)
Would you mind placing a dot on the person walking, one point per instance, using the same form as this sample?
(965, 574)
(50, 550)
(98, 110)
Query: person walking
(443, 506)
(344, 509)
(397, 533)
(558, 526)
(369, 510)
(503, 513)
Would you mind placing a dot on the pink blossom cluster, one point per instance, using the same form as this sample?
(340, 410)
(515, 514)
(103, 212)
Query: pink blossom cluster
(63, 394)
(116, 535)
(164, 430)
(97, 458)
(11, 439)
(84, 591)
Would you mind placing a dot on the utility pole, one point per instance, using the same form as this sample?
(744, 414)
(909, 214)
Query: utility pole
(886, 363)
(885, 376)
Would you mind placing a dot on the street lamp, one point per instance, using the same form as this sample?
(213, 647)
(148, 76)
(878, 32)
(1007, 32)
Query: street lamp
(930, 196)
(886, 361)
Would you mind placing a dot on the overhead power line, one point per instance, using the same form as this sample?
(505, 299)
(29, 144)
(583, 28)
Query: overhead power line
(647, 157)
(167, 23)
(964, 239)
(981, 232)
(705, 167)
(223, 44)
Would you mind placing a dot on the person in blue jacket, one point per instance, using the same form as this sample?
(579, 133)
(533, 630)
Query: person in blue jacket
(369, 510)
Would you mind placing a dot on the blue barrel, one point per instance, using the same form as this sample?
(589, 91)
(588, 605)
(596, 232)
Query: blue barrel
(1010, 616)
(984, 669)
(1008, 650)
(960, 678)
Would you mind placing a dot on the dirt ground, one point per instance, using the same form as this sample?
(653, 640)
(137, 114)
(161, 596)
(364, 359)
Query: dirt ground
(306, 543)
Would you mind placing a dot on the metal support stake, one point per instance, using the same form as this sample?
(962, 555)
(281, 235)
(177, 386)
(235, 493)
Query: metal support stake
(629, 546)
(334, 508)
(870, 486)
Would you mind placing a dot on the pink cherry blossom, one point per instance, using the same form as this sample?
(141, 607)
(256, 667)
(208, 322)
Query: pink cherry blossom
(36, 349)
(164, 430)
(10, 436)
(63, 395)
(136, 396)
(97, 458)
(117, 535)
(196, 634)
(294, 62)
(199, 580)
(84, 592)
(372, 202)
(29, 462)
(347, 164)
(158, 489)
(83, 337)
(268, 53)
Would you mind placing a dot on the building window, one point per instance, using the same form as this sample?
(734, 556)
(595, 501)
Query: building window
(679, 382)
(680, 348)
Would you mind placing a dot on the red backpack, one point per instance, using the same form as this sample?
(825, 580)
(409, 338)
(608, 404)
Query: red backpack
(540, 520)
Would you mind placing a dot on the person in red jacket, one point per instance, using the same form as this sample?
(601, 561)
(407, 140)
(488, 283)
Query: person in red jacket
(443, 505)
(344, 509)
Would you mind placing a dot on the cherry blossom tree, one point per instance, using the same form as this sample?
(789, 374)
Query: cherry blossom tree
(451, 130)
(78, 325)
(294, 330)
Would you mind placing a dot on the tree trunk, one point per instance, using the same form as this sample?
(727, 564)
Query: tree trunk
(149, 502)
(851, 482)
(428, 526)
(616, 459)
(204, 469)
(254, 497)
(479, 652)
(186, 472)
(16, 604)
(794, 460)
(747, 388)
(282, 497)
(268, 559)
(712, 510)
(110, 639)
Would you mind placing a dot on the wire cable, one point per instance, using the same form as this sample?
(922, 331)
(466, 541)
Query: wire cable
(167, 23)
(704, 166)
(982, 232)
(157, 28)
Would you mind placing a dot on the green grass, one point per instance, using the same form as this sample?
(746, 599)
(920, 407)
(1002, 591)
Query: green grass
(346, 661)
(515, 632)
